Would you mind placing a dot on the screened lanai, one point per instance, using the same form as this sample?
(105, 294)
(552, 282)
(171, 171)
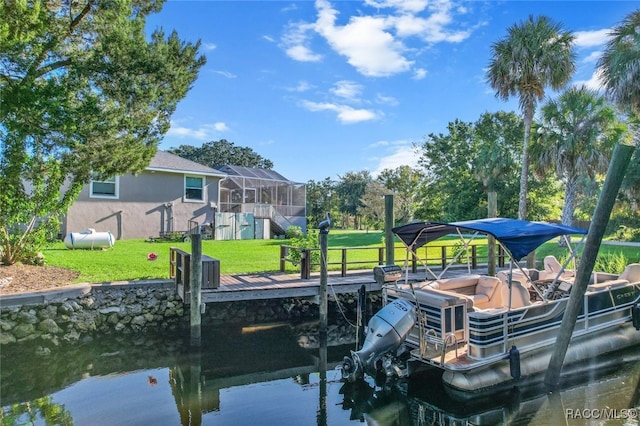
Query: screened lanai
(265, 194)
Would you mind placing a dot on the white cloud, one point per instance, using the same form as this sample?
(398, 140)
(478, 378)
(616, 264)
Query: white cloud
(387, 100)
(594, 83)
(399, 153)
(302, 86)
(225, 73)
(220, 126)
(296, 43)
(203, 132)
(345, 113)
(419, 74)
(414, 6)
(269, 38)
(592, 57)
(303, 54)
(364, 41)
(347, 90)
(375, 44)
(591, 38)
(209, 46)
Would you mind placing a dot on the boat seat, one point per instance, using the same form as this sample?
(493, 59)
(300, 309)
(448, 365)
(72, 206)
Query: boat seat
(488, 293)
(519, 295)
(631, 273)
(606, 285)
(517, 275)
(483, 290)
(464, 285)
(553, 268)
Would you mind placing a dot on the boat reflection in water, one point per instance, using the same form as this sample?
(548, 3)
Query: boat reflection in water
(603, 397)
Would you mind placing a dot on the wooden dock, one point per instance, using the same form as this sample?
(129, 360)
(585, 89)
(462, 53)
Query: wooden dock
(242, 287)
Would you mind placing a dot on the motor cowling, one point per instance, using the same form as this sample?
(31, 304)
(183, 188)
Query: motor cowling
(386, 332)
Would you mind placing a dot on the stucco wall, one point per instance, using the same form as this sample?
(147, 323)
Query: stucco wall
(141, 209)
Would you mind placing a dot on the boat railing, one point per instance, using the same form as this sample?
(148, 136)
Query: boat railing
(440, 344)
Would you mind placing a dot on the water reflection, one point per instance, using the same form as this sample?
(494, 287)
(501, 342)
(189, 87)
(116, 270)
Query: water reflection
(261, 375)
(606, 398)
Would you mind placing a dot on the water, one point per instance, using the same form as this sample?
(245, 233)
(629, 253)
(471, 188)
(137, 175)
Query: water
(262, 376)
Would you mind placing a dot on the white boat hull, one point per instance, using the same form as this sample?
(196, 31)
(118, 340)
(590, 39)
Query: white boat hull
(588, 352)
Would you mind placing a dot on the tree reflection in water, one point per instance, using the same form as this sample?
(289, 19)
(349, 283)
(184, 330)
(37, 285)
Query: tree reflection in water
(258, 374)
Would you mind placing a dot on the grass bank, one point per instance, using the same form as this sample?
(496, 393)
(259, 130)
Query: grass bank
(127, 260)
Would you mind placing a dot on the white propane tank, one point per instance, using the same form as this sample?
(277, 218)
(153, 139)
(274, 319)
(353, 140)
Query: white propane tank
(89, 239)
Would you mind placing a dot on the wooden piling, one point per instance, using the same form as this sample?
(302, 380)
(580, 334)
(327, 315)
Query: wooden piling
(195, 283)
(615, 174)
(323, 308)
(388, 226)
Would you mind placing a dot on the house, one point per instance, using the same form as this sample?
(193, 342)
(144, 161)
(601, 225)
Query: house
(163, 198)
(233, 202)
(274, 201)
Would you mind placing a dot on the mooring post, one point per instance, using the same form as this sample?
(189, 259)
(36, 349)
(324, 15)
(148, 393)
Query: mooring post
(324, 248)
(195, 282)
(388, 226)
(322, 419)
(615, 174)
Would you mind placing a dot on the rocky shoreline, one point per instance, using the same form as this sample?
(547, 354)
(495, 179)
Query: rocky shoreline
(131, 309)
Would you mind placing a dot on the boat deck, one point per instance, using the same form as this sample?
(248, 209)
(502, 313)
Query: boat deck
(452, 356)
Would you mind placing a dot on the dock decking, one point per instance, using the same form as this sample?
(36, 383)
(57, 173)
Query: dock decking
(257, 286)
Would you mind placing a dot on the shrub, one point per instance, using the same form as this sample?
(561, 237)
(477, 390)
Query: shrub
(613, 263)
(293, 231)
(627, 233)
(309, 241)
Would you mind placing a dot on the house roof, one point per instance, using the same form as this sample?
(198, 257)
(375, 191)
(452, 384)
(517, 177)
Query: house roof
(250, 172)
(167, 162)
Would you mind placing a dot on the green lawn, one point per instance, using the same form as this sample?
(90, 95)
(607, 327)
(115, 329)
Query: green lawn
(127, 260)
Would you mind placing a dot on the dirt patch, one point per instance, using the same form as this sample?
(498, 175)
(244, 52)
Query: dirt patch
(28, 278)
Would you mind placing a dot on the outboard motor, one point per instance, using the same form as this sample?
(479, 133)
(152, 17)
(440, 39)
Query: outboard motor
(386, 331)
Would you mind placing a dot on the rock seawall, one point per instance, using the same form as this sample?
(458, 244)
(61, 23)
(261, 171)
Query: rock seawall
(81, 312)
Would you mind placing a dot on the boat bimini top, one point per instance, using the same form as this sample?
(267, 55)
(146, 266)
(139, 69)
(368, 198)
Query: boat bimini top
(517, 237)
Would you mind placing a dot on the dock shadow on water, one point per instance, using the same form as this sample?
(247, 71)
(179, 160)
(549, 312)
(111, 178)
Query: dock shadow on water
(263, 375)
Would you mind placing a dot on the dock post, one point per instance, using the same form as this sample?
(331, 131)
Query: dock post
(615, 174)
(388, 225)
(195, 281)
(324, 248)
(322, 419)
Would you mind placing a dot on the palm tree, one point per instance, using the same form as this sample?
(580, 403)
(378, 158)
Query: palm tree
(497, 135)
(575, 137)
(620, 64)
(535, 54)
(620, 72)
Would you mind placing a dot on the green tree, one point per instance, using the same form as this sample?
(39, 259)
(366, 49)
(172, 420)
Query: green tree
(620, 73)
(499, 138)
(535, 54)
(85, 91)
(575, 138)
(321, 198)
(620, 64)
(372, 205)
(447, 160)
(403, 182)
(350, 190)
(222, 153)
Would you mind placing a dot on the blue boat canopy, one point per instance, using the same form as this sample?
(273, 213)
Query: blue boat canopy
(520, 237)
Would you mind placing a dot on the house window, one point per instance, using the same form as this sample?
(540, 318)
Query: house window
(105, 188)
(193, 188)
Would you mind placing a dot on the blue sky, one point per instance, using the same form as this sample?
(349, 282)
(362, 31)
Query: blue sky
(325, 87)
